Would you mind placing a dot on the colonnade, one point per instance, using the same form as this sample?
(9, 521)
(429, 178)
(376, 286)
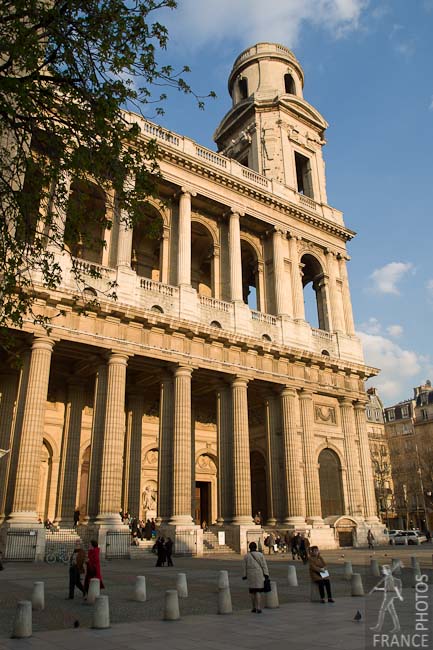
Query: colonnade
(294, 489)
(335, 309)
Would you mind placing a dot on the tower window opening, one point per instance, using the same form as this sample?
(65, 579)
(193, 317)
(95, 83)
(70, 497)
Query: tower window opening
(243, 88)
(289, 84)
(303, 175)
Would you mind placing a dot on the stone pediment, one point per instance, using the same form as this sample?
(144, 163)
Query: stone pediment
(303, 110)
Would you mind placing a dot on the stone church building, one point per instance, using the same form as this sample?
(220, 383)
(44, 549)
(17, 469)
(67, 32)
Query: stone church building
(206, 391)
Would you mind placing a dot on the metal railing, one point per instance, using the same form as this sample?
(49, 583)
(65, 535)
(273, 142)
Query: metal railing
(186, 542)
(118, 544)
(21, 545)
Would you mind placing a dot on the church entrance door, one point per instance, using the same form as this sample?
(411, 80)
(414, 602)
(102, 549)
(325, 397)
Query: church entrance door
(202, 502)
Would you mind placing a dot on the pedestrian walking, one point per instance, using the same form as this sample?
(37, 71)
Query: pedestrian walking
(161, 552)
(76, 570)
(370, 539)
(76, 516)
(294, 546)
(319, 574)
(93, 566)
(304, 547)
(255, 571)
(169, 551)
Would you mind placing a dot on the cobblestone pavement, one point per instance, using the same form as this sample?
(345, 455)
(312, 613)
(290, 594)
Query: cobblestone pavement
(139, 621)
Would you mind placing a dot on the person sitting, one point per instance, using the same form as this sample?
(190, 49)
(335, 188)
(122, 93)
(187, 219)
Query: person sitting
(319, 574)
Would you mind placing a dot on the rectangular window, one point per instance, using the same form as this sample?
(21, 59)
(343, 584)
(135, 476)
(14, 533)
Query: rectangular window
(304, 178)
(391, 415)
(405, 411)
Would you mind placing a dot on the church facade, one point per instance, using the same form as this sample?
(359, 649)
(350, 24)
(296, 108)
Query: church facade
(208, 391)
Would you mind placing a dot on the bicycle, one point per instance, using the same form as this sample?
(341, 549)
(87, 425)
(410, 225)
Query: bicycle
(57, 555)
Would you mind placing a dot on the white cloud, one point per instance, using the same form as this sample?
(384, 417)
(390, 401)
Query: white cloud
(395, 330)
(385, 279)
(429, 285)
(399, 367)
(248, 21)
(372, 326)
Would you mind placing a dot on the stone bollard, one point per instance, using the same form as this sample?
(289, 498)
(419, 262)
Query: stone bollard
(292, 578)
(314, 593)
(348, 570)
(414, 561)
(101, 613)
(224, 601)
(140, 589)
(22, 625)
(396, 567)
(181, 585)
(356, 585)
(94, 590)
(38, 597)
(374, 568)
(223, 580)
(171, 605)
(271, 597)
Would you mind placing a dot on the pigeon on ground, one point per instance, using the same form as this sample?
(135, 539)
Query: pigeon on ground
(76, 623)
(357, 616)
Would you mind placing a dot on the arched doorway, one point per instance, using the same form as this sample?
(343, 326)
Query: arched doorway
(259, 495)
(45, 471)
(202, 271)
(316, 305)
(250, 277)
(331, 486)
(146, 244)
(205, 490)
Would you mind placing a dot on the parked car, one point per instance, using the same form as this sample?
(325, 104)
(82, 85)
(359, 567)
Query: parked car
(391, 534)
(408, 537)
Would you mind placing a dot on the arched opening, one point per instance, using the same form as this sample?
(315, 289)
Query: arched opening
(316, 305)
(86, 222)
(146, 244)
(289, 84)
(202, 260)
(157, 308)
(250, 276)
(45, 471)
(331, 486)
(84, 482)
(243, 88)
(216, 324)
(259, 496)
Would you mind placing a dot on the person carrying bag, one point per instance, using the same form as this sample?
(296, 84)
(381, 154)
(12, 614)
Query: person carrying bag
(257, 573)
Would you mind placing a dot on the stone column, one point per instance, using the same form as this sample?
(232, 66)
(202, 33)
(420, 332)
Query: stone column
(182, 471)
(347, 303)
(165, 456)
(224, 419)
(124, 239)
(110, 500)
(27, 477)
(280, 285)
(235, 257)
(273, 437)
(184, 242)
(292, 482)
(297, 291)
(70, 454)
(216, 272)
(311, 473)
(57, 207)
(322, 289)
(354, 488)
(133, 461)
(8, 392)
(124, 245)
(335, 292)
(97, 439)
(241, 454)
(366, 468)
(165, 267)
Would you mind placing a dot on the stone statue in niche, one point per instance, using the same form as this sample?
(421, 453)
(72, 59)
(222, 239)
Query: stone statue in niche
(149, 502)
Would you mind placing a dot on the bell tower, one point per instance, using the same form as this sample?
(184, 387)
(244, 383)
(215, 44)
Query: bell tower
(271, 128)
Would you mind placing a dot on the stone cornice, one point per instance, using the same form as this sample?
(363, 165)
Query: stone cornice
(244, 188)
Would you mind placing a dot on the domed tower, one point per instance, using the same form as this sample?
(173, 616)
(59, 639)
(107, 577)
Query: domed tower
(271, 128)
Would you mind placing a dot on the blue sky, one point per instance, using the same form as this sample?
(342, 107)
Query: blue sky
(368, 70)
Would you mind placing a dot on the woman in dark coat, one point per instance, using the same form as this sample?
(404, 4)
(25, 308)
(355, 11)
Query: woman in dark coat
(93, 569)
(318, 573)
(160, 549)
